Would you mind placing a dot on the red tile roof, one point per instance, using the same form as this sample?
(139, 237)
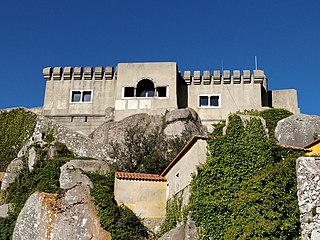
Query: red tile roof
(183, 152)
(139, 176)
(313, 143)
(294, 147)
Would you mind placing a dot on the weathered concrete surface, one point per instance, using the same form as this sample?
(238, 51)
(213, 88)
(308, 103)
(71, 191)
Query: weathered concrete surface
(13, 170)
(184, 231)
(49, 216)
(308, 184)
(297, 130)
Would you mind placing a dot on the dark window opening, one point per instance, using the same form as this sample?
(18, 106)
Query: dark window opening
(145, 88)
(86, 96)
(162, 91)
(129, 92)
(76, 96)
(209, 101)
(214, 101)
(203, 101)
(81, 96)
(86, 119)
(71, 119)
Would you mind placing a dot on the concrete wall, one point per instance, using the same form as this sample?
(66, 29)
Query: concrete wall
(163, 74)
(286, 99)
(236, 92)
(145, 198)
(187, 165)
(315, 150)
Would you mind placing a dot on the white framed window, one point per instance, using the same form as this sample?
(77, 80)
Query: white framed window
(159, 92)
(209, 101)
(81, 96)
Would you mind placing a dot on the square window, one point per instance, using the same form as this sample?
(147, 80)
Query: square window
(214, 101)
(203, 101)
(86, 96)
(129, 92)
(162, 91)
(76, 96)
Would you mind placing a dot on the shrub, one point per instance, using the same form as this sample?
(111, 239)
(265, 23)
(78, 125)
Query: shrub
(245, 190)
(16, 126)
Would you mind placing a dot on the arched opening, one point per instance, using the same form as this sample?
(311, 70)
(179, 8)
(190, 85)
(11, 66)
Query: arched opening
(145, 88)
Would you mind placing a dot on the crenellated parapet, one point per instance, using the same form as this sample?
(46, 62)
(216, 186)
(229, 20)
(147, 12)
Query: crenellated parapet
(224, 77)
(79, 73)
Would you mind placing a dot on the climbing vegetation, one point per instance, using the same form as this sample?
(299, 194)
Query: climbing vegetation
(120, 221)
(272, 117)
(16, 126)
(247, 187)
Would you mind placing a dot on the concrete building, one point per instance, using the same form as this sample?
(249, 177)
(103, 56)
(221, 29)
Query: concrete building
(82, 98)
(146, 194)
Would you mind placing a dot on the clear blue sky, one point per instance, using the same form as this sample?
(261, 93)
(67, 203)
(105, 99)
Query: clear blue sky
(198, 35)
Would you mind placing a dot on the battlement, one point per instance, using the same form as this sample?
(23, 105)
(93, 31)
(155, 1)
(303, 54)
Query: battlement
(257, 77)
(79, 73)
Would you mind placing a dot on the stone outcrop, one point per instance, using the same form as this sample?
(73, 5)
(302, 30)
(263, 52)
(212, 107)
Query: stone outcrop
(175, 121)
(308, 184)
(184, 231)
(68, 216)
(298, 130)
(90, 165)
(71, 177)
(78, 143)
(13, 170)
(4, 210)
(49, 216)
(180, 120)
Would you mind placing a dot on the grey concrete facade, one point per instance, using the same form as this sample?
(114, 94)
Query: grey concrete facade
(82, 98)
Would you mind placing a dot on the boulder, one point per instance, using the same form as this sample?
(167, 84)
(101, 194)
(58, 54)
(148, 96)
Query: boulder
(184, 231)
(4, 210)
(13, 170)
(298, 130)
(308, 186)
(115, 131)
(175, 121)
(50, 216)
(90, 165)
(71, 176)
(32, 155)
(181, 120)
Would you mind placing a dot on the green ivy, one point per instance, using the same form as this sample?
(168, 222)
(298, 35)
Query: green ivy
(16, 126)
(247, 187)
(173, 214)
(272, 117)
(218, 128)
(120, 221)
